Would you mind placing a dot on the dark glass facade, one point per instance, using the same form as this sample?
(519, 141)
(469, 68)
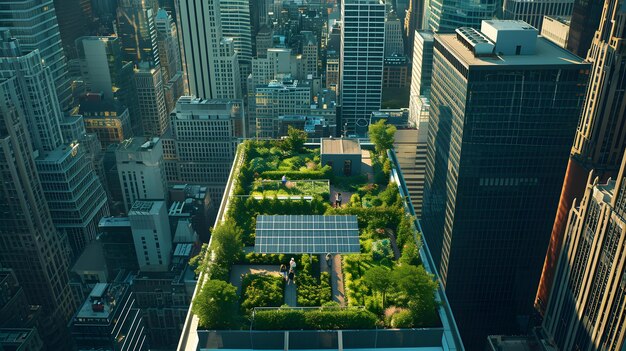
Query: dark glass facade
(498, 145)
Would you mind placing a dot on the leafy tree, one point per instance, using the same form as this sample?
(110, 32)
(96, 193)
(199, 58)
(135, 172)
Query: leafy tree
(216, 305)
(295, 139)
(410, 254)
(416, 291)
(378, 279)
(226, 243)
(382, 135)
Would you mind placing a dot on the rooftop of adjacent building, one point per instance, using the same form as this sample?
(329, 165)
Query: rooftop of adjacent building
(101, 303)
(514, 343)
(426, 34)
(565, 20)
(92, 103)
(58, 155)
(197, 108)
(482, 48)
(146, 207)
(138, 144)
(117, 222)
(12, 338)
(91, 259)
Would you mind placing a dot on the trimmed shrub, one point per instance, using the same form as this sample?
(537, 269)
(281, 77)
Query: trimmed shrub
(324, 173)
(322, 319)
(261, 291)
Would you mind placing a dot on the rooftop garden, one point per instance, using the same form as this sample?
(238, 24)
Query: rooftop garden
(382, 286)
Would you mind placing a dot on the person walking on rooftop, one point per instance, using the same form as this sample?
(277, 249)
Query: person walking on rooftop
(290, 277)
(292, 264)
(338, 200)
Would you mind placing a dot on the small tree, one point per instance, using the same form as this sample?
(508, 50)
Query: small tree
(382, 135)
(216, 305)
(227, 243)
(417, 291)
(295, 139)
(378, 279)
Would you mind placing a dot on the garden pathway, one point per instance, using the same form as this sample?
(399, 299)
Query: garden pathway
(239, 269)
(290, 294)
(336, 277)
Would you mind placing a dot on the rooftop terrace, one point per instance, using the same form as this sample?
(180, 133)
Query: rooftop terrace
(386, 296)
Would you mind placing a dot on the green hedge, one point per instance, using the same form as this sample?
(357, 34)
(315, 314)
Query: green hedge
(261, 291)
(325, 173)
(322, 319)
(312, 293)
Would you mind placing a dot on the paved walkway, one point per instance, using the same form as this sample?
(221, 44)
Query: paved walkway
(336, 277)
(345, 197)
(290, 294)
(239, 269)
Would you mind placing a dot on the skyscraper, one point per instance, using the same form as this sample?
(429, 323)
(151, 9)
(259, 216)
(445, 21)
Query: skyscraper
(586, 306)
(448, 15)
(74, 18)
(136, 29)
(497, 150)
(29, 243)
(34, 24)
(151, 100)
(235, 21)
(599, 143)
(413, 21)
(211, 64)
(394, 42)
(585, 19)
(151, 235)
(102, 68)
(532, 12)
(201, 145)
(75, 196)
(140, 170)
(37, 94)
(169, 50)
(362, 54)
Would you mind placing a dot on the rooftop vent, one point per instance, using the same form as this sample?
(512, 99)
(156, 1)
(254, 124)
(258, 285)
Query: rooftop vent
(475, 41)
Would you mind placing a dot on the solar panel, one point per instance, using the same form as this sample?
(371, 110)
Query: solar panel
(313, 234)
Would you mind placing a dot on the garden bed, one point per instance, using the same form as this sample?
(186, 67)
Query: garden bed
(271, 188)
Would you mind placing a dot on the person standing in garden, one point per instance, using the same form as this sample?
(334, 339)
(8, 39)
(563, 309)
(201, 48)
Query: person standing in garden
(292, 264)
(338, 200)
(283, 271)
(328, 259)
(284, 180)
(291, 277)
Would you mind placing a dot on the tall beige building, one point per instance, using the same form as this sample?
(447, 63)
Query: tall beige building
(599, 141)
(587, 305)
(210, 59)
(151, 100)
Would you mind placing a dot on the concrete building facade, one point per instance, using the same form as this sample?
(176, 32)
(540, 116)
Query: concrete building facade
(361, 62)
(140, 170)
(586, 305)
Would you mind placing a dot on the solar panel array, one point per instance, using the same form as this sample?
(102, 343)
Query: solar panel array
(313, 234)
